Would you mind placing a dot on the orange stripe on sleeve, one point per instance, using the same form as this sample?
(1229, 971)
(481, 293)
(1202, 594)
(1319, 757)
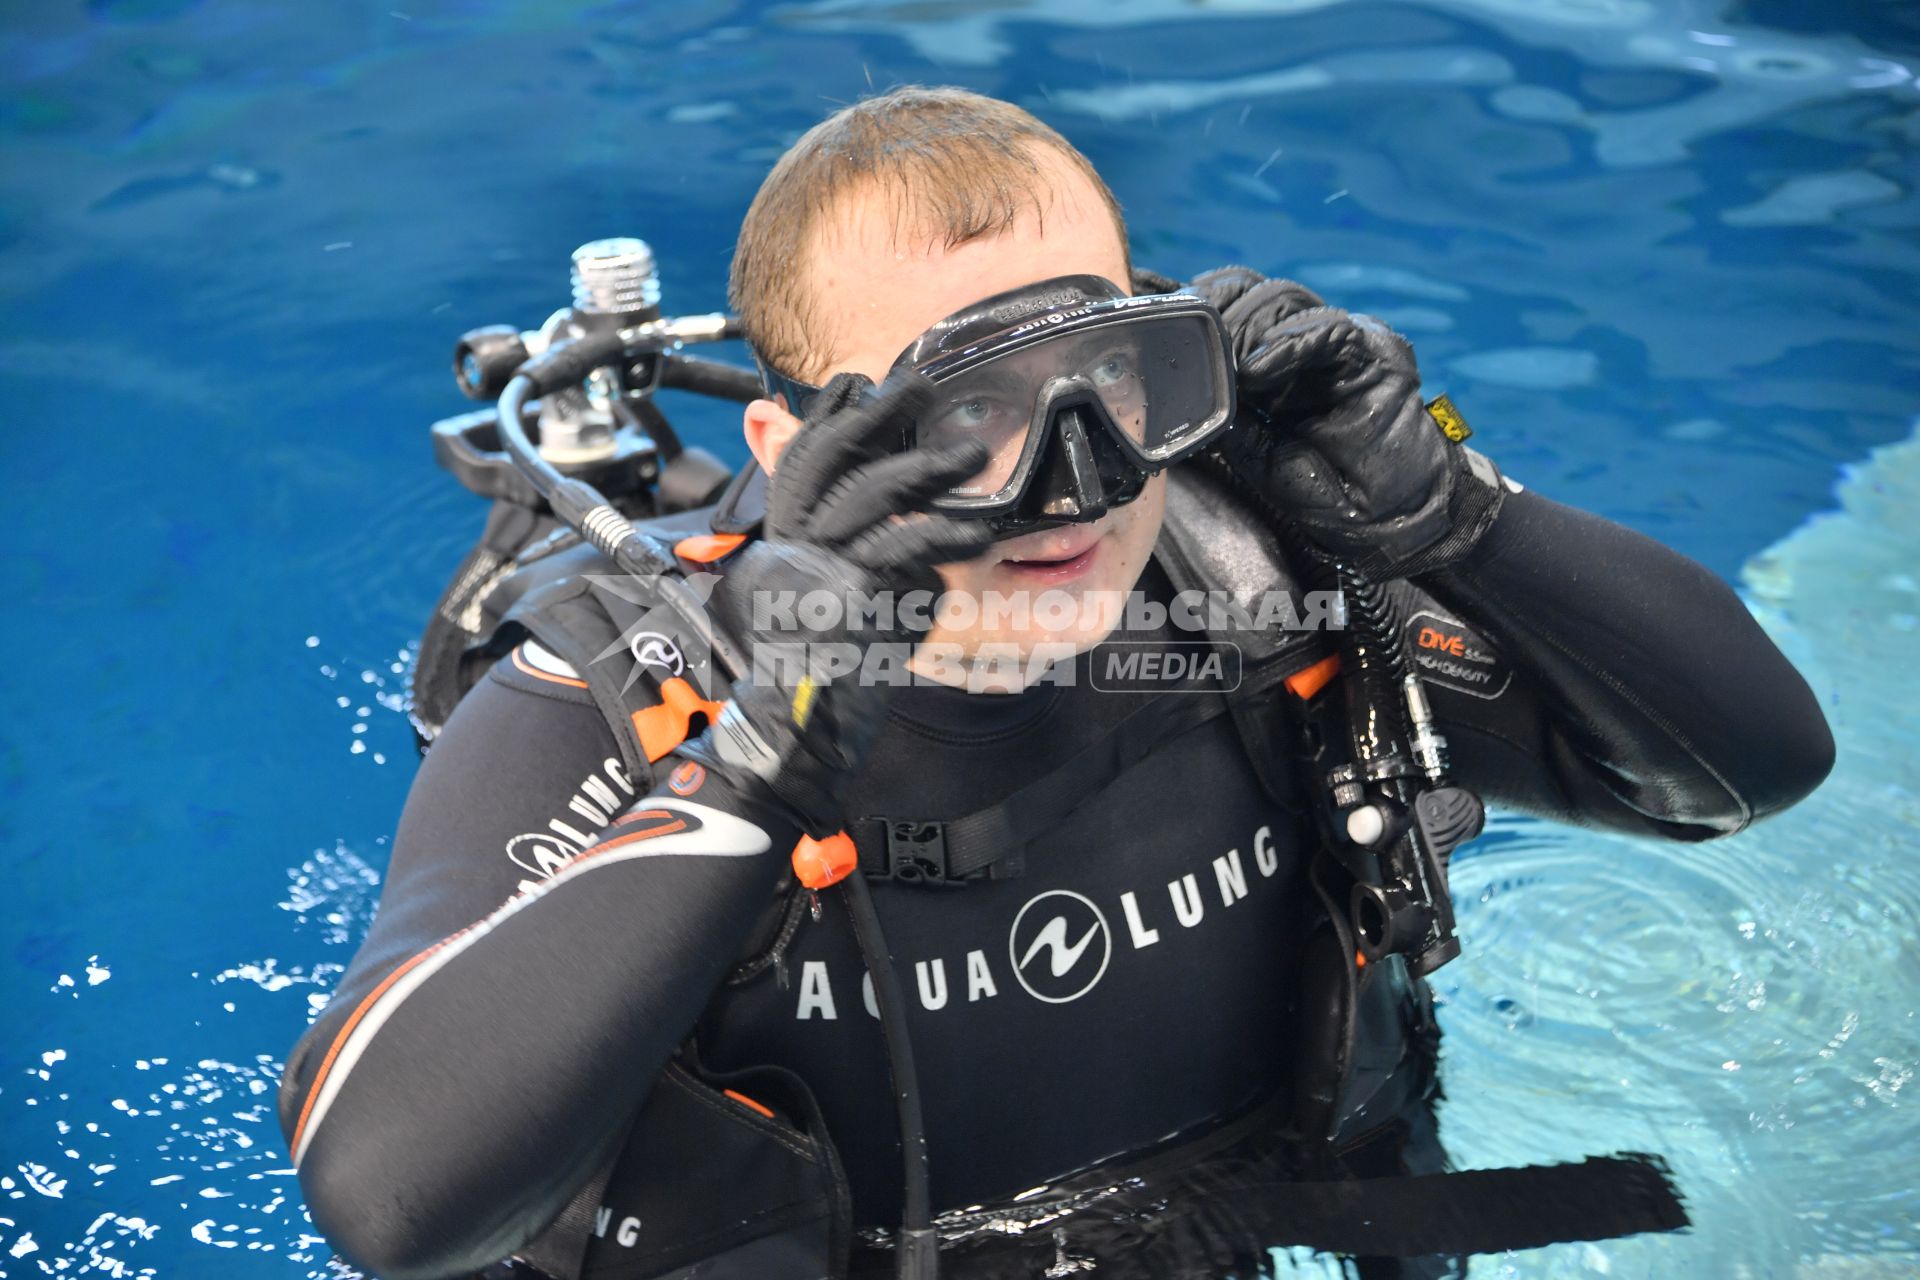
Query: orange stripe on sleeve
(340, 1040)
(635, 837)
(668, 822)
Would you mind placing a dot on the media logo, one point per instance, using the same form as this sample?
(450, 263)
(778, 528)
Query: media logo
(1172, 666)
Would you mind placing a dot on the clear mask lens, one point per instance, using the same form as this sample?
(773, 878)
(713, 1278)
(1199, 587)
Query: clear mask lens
(1156, 378)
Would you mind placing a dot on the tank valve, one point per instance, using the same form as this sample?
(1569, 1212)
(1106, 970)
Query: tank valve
(616, 277)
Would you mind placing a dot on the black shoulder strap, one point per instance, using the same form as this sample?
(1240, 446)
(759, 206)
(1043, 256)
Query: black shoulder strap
(523, 552)
(1214, 539)
(653, 681)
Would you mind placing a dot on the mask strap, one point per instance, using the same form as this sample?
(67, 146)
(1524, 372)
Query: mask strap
(799, 395)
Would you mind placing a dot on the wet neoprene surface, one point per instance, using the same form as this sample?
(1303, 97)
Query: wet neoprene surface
(1580, 670)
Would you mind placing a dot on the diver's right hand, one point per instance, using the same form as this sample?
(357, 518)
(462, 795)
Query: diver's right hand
(847, 519)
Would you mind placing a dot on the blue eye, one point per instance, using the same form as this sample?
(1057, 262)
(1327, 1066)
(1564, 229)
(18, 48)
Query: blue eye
(975, 414)
(1110, 370)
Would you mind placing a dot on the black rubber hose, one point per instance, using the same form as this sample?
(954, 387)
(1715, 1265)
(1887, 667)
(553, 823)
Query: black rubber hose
(573, 501)
(918, 1255)
(646, 416)
(1374, 648)
(710, 378)
(1370, 613)
(584, 509)
(569, 363)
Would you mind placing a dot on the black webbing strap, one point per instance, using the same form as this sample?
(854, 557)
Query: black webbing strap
(990, 840)
(1202, 1217)
(1475, 1211)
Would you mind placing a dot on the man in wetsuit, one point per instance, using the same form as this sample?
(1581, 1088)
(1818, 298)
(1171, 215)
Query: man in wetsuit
(1133, 974)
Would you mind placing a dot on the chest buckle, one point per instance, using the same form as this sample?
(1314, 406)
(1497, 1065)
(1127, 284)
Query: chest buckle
(917, 853)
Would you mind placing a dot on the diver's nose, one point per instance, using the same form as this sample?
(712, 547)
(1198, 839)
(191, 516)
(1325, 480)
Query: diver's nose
(1078, 496)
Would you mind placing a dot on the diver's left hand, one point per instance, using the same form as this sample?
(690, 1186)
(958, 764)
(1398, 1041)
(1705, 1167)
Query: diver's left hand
(1334, 433)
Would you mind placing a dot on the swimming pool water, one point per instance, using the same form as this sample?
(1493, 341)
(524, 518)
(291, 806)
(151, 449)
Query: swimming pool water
(1662, 253)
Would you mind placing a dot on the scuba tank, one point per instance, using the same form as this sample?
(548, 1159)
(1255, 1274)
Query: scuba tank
(603, 430)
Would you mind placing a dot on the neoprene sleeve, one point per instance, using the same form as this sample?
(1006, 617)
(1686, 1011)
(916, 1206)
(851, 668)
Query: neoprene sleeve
(450, 1113)
(1663, 707)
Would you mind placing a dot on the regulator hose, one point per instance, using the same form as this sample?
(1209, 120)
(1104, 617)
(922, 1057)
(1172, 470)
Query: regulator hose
(582, 507)
(710, 378)
(918, 1249)
(1375, 649)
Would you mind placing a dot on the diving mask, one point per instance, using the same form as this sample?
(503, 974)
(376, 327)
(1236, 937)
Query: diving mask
(1079, 391)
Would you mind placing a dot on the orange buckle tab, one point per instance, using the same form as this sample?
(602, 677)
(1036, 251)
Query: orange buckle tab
(819, 863)
(663, 727)
(705, 548)
(1310, 680)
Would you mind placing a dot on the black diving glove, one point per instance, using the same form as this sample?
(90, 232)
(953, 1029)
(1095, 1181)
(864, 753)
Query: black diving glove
(1334, 434)
(846, 518)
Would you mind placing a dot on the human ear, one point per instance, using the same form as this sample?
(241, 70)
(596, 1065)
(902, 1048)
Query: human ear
(769, 428)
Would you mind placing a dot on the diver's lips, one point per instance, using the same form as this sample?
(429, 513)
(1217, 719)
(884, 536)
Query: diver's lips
(1065, 569)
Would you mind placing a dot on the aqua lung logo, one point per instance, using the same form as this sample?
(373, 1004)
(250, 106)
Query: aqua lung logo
(600, 797)
(651, 649)
(541, 854)
(1060, 946)
(660, 640)
(1060, 943)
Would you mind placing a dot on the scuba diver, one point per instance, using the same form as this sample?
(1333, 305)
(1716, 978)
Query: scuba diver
(751, 917)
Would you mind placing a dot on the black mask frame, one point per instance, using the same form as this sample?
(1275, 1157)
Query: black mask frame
(1076, 462)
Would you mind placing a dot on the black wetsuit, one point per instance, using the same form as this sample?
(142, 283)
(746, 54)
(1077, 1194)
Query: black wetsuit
(1132, 983)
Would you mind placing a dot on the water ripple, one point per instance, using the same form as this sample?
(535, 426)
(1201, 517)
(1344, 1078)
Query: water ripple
(1745, 1005)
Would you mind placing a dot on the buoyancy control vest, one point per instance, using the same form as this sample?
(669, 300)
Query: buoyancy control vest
(532, 578)
(777, 1202)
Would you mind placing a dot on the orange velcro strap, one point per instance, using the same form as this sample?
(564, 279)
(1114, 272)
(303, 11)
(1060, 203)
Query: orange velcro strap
(664, 727)
(705, 548)
(819, 863)
(1310, 680)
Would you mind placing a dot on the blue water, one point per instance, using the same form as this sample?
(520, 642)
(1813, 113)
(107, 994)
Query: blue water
(1663, 254)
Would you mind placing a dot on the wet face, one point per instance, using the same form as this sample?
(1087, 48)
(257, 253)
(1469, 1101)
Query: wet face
(876, 296)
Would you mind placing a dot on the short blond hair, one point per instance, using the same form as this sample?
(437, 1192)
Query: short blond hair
(960, 165)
